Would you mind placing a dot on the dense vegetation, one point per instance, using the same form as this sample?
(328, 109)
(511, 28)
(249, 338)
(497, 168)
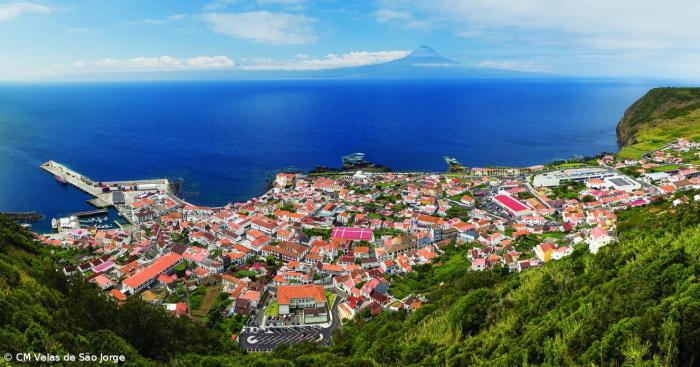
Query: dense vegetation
(636, 302)
(660, 116)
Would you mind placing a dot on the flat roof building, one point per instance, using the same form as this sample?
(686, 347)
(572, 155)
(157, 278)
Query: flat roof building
(623, 183)
(352, 234)
(554, 178)
(512, 205)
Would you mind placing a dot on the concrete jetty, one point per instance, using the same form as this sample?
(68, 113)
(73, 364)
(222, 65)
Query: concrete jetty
(103, 191)
(83, 183)
(95, 188)
(99, 203)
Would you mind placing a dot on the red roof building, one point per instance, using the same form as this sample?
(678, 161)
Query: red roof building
(352, 234)
(300, 296)
(514, 206)
(147, 275)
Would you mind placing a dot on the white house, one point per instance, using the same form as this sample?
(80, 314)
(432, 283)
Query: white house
(597, 239)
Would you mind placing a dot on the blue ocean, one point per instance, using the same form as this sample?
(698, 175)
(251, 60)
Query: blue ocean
(224, 140)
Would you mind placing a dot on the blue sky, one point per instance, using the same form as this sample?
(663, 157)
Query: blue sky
(640, 38)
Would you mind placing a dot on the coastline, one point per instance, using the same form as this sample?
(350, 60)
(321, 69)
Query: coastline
(94, 188)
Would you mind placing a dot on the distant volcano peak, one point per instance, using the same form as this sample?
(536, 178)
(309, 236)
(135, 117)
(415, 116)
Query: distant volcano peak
(424, 50)
(426, 55)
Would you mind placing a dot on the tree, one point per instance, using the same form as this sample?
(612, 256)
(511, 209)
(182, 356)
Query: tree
(469, 313)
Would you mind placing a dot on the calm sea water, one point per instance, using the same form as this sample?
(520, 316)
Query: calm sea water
(225, 140)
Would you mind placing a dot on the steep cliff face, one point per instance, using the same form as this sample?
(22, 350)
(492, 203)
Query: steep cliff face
(657, 106)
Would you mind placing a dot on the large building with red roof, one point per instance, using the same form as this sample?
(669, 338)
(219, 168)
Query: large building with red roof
(353, 234)
(144, 277)
(512, 205)
(307, 296)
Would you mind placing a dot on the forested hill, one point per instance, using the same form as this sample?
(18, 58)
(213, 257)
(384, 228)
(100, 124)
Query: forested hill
(660, 116)
(40, 311)
(636, 303)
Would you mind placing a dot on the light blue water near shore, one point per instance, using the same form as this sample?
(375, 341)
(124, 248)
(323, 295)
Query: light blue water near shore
(225, 140)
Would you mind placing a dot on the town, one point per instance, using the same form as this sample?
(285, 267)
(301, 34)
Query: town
(317, 249)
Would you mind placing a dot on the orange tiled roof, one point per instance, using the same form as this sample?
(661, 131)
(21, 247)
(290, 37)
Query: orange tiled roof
(285, 293)
(152, 270)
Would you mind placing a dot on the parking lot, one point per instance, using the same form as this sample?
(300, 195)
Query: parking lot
(255, 339)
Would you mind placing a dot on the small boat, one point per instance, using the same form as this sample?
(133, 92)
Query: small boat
(61, 179)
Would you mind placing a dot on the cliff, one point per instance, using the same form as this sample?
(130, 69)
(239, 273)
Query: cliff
(669, 109)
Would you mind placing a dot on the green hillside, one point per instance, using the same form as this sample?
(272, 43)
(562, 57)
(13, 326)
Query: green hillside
(636, 302)
(660, 116)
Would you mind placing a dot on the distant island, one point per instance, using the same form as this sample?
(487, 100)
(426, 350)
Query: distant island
(421, 63)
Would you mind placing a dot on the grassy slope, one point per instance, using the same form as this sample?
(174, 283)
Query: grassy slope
(207, 302)
(659, 117)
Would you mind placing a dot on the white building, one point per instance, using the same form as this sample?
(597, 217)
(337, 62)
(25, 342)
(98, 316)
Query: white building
(597, 239)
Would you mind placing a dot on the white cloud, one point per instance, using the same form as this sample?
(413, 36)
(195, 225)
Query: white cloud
(210, 62)
(289, 4)
(401, 17)
(162, 63)
(217, 5)
(513, 65)
(601, 24)
(264, 26)
(14, 9)
(387, 15)
(330, 61)
(168, 19)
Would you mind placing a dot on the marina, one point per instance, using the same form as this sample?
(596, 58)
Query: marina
(105, 195)
(98, 219)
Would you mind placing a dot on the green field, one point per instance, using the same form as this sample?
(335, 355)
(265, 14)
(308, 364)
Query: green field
(330, 298)
(661, 132)
(272, 309)
(664, 168)
(202, 301)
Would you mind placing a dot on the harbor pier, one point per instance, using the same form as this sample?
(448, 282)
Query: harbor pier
(102, 191)
(106, 193)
